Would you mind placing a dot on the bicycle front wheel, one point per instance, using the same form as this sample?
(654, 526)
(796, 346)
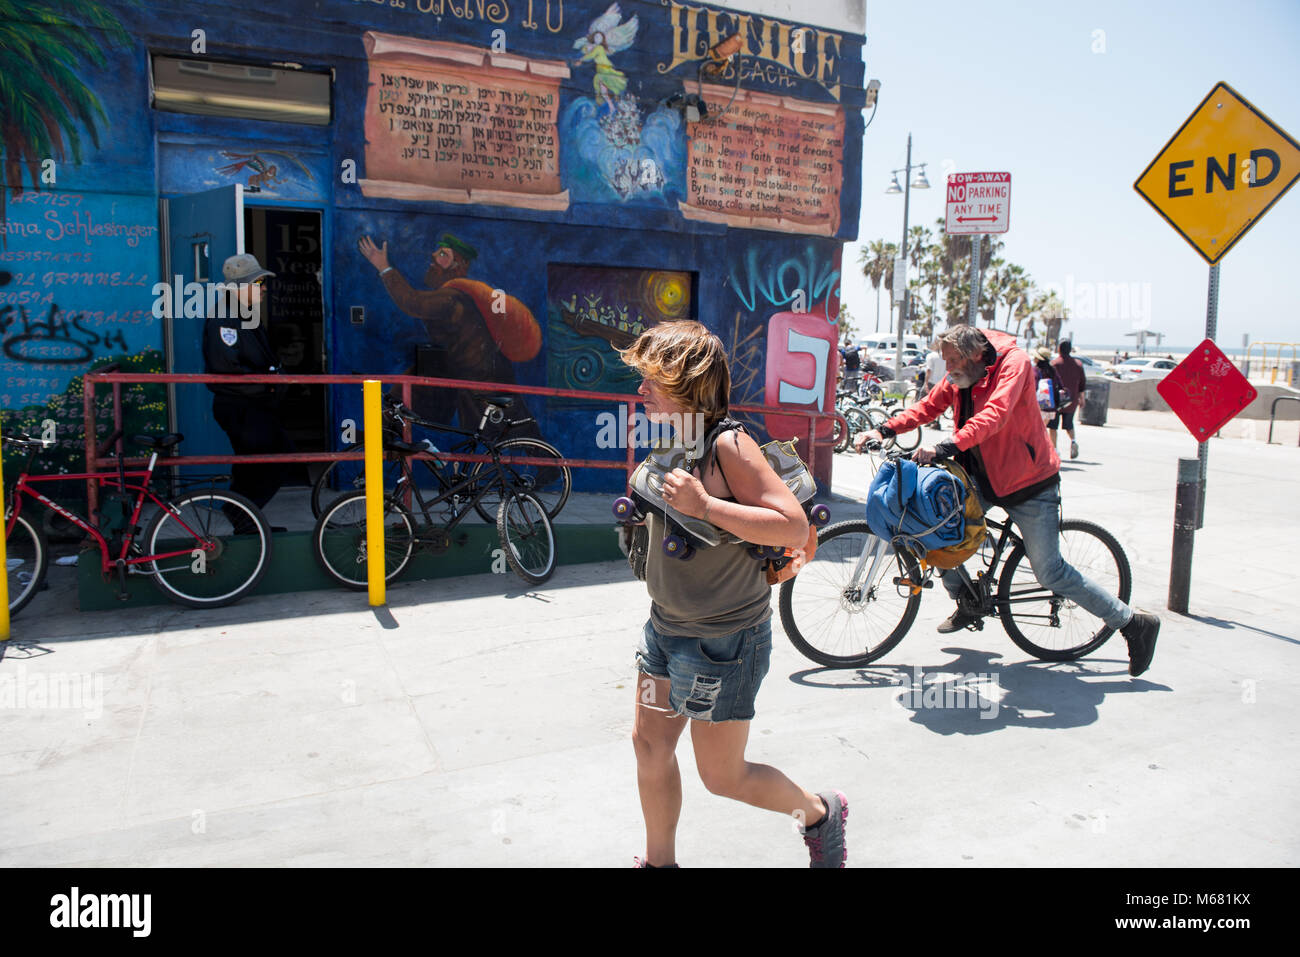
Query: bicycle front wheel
(224, 544)
(843, 609)
(526, 536)
(341, 545)
(550, 484)
(27, 559)
(1047, 625)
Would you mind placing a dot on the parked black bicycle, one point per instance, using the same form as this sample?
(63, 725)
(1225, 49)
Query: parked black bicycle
(341, 542)
(549, 484)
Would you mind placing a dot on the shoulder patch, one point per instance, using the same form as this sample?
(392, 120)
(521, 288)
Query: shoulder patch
(229, 336)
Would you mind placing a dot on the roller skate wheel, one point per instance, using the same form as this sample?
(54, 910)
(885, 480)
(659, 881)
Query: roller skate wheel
(820, 515)
(624, 507)
(687, 553)
(756, 552)
(673, 545)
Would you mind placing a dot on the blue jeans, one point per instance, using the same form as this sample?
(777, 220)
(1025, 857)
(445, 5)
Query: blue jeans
(713, 679)
(1038, 520)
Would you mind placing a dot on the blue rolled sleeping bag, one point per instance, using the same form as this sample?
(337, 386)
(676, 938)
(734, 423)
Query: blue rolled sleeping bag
(922, 503)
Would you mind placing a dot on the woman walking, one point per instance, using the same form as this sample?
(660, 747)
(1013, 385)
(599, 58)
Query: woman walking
(705, 649)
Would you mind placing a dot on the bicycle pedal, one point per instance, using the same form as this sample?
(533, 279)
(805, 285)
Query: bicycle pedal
(462, 539)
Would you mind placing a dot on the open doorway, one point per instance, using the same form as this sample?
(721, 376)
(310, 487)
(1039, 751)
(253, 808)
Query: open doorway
(288, 242)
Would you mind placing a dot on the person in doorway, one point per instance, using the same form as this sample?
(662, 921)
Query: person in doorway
(1002, 444)
(705, 650)
(247, 413)
(1069, 371)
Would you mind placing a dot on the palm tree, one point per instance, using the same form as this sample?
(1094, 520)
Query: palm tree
(877, 259)
(1016, 287)
(43, 102)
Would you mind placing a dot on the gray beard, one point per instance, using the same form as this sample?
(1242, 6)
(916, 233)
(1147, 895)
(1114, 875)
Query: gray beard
(962, 381)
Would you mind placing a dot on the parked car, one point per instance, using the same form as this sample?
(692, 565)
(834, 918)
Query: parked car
(1145, 368)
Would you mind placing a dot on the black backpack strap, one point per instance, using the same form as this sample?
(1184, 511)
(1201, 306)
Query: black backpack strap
(709, 452)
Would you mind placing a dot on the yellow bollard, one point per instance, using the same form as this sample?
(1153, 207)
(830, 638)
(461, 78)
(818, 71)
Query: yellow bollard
(374, 490)
(4, 560)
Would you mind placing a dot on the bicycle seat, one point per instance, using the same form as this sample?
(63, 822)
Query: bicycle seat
(499, 400)
(161, 443)
(397, 445)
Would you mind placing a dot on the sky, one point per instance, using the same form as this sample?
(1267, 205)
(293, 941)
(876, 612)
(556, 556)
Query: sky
(1075, 99)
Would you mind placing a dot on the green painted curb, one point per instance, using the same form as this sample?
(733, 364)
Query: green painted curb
(294, 567)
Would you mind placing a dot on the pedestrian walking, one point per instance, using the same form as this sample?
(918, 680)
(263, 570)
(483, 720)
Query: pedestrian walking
(1069, 371)
(705, 649)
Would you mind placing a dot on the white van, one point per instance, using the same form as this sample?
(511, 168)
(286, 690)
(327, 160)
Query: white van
(886, 343)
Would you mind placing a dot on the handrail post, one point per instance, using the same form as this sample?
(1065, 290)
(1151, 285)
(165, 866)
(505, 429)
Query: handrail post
(92, 459)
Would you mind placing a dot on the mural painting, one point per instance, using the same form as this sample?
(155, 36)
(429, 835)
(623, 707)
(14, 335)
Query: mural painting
(539, 188)
(594, 310)
(479, 331)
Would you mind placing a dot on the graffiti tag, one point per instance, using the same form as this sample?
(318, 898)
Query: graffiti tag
(61, 339)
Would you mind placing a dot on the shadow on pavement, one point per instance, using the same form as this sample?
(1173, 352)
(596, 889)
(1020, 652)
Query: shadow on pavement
(67, 623)
(1224, 623)
(972, 695)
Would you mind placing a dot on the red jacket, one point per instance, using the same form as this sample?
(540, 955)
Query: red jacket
(1006, 423)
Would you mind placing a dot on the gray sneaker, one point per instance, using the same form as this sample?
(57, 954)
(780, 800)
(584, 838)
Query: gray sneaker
(825, 842)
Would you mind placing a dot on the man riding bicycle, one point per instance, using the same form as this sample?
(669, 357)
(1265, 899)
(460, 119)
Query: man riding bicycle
(1001, 442)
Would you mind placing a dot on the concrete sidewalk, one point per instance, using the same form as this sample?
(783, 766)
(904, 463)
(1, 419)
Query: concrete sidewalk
(474, 722)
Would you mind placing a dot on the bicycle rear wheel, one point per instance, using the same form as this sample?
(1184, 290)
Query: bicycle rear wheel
(27, 559)
(225, 543)
(526, 536)
(843, 609)
(1046, 625)
(550, 484)
(341, 546)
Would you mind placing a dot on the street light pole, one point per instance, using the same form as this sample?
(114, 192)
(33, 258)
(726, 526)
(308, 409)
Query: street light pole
(904, 313)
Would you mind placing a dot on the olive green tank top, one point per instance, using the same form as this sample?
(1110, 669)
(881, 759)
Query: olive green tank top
(718, 591)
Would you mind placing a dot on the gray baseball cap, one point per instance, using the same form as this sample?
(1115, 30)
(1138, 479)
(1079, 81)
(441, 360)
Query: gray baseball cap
(244, 267)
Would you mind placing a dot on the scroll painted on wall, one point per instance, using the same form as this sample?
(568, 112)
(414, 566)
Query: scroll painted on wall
(769, 162)
(460, 124)
(592, 310)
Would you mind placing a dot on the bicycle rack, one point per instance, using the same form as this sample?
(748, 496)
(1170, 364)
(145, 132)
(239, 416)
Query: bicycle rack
(1272, 411)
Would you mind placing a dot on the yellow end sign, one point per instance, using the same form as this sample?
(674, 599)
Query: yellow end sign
(1220, 172)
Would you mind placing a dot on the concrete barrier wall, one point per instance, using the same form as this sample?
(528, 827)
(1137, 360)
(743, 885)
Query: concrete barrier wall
(1141, 395)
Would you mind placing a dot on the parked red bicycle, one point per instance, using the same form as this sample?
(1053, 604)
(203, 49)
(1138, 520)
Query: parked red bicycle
(204, 548)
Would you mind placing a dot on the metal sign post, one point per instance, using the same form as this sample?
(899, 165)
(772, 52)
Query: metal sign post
(975, 280)
(1221, 171)
(1211, 327)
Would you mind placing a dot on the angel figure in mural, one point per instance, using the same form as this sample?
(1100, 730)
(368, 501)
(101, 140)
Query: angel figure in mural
(607, 34)
(263, 172)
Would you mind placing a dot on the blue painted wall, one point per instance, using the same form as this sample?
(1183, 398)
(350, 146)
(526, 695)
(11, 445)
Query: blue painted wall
(81, 253)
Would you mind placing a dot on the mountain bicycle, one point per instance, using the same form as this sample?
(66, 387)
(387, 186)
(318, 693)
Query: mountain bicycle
(863, 418)
(204, 548)
(549, 484)
(857, 598)
(340, 541)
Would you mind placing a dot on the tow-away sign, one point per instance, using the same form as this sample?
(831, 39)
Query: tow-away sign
(978, 203)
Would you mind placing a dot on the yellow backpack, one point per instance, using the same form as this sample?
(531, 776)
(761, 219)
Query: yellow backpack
(954, 555)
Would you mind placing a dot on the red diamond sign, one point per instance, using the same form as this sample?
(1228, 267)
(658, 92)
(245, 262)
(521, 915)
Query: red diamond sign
(1206, 390)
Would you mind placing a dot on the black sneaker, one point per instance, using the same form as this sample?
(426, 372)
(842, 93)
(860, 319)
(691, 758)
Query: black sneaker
(956, 622)
(1140, 633)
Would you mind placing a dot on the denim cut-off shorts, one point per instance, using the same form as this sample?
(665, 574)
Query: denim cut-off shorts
(713, 679)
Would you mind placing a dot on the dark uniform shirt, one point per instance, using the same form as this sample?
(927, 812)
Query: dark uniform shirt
(230, 349)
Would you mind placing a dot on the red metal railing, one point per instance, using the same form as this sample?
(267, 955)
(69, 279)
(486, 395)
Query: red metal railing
(406, 382)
